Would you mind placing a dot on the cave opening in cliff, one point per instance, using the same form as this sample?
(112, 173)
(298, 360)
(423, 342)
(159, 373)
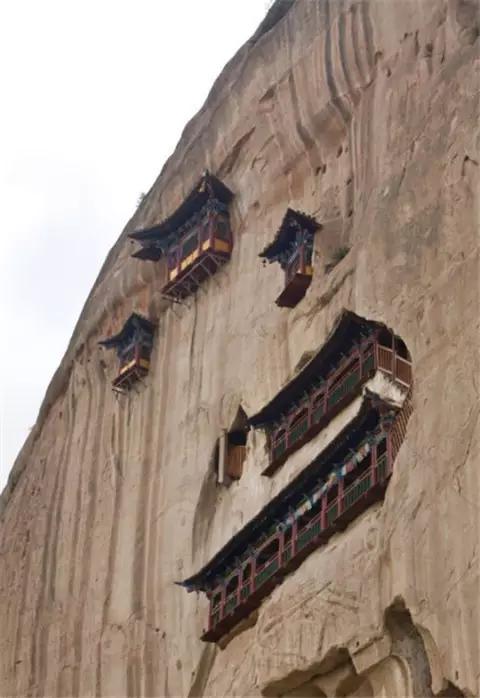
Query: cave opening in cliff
(350, 472)
(196, 239)
(332, 378)
(292, 247)
(347, 477)
(133, 345)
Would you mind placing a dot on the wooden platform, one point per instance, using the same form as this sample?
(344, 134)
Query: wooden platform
(132, 375)
(294, 291)
(246, 606)
(188, 281)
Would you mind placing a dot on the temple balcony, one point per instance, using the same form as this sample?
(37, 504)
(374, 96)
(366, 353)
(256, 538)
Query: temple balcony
(196, 239)
(340, 483)
(293, 249)
(334, 377)
(133, 345)
(198, 256)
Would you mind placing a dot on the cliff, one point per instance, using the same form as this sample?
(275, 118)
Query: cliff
(364, 115)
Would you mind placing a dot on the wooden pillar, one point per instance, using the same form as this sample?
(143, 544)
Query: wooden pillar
(253, 561)
(239, 588)
(294, 537)
(222, 446)
(310, 412)
(341, 489)
(210, 611)
(376, 349)
(394, 362)
(323, 513)
(222, 604)
(270, 442)
(210, 617)
(389, 451)
(325, 397)
(373, 465)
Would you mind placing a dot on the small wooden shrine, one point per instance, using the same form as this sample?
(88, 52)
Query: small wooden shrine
(233, 449)
(196, 239)
(133, 345)
(293, 249)
(355, 350)
(341, 482)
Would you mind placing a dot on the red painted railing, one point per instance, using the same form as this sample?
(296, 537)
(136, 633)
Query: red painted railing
(192, 242)
(396, 366)
(255, 582)
(312, 415)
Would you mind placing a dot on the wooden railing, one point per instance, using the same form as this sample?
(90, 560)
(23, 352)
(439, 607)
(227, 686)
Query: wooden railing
(187, 245)
(192, 244)
(399, 368)
(384, 358)
(135, 361)
(322, 404)
(345, 505)
(294, 544)
(403, 371)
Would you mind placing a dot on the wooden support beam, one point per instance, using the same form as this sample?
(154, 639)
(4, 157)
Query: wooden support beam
(222, 456)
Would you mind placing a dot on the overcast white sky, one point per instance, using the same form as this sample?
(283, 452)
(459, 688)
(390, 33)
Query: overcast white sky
(94, 96)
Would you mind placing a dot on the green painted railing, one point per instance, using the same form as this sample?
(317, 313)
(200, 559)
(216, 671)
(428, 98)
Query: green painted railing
(299, 430)
(382, 468)
(332, 512)
(308, 534)
(266, 573)
(369, 363)
(318, 412)
(280, 448)
(230, 604)
(357, 490)
(345, 387)
(245, 591)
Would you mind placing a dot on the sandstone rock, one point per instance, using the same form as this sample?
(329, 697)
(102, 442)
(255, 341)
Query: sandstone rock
(365, 115)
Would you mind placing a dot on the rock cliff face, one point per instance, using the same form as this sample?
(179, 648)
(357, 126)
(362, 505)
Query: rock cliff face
(363, 114)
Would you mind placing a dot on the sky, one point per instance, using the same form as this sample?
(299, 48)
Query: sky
(93, 98)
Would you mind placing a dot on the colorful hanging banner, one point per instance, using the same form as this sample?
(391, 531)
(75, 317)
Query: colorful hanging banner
(337, 474)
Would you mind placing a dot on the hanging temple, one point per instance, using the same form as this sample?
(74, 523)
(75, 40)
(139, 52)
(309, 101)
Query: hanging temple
(346, 476)
(133, 345)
